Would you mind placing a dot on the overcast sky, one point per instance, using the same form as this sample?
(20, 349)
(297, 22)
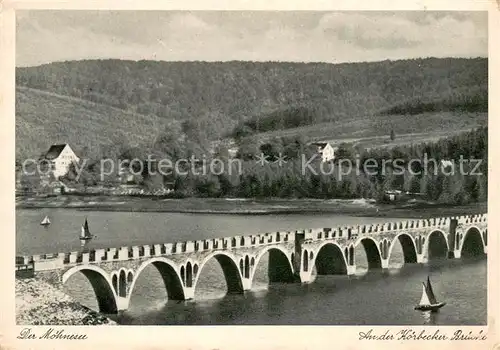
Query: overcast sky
(46, 36)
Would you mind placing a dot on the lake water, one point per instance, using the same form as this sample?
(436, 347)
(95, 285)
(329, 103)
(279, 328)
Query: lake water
(116, 229)
(369, 297)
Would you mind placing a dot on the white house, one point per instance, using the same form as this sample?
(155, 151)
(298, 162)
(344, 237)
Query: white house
(326, 151)
(60, 158)
(445, 163)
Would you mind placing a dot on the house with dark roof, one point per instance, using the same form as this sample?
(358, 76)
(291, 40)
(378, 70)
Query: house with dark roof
(325, 150)
(60, 157)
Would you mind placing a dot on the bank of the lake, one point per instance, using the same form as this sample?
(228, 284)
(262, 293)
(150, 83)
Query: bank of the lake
(240, 206)
(39, 303)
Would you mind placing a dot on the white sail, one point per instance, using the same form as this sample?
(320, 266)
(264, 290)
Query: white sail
(45, 221)
(425, 299)
(85, 233)
(430, 292)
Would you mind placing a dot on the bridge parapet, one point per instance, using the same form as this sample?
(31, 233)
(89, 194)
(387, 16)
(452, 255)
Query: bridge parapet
(59, 260)
(472, 219)
(395, 227)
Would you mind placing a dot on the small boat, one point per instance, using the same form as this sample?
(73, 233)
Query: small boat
(45, 222)
(428, 301)
(85, 234)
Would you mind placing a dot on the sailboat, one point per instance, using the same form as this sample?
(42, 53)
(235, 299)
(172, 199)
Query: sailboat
(45, 222)
(428, 301)
(85, 234)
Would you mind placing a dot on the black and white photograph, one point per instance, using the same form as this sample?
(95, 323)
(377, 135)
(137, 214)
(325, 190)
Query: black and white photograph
(265, 168)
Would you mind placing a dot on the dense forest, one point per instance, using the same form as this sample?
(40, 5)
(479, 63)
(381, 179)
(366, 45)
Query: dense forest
(230, 98)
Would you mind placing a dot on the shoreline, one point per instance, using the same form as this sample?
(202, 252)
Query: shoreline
(245, 206)
(42, 304)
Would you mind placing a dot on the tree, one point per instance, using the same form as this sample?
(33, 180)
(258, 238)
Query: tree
(208, 187)
(152, 182)
(272, 149)
(248, 148)
(170, 142)
(344, 151)
(314, 185)
(242, 131)
(293, 147)
(226, 187)
(222, 153)
(393, 135)
(30, 183)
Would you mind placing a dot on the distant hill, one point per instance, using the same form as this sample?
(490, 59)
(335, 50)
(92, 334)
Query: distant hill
(92, 102)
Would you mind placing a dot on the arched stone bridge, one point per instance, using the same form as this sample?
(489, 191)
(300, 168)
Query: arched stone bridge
(113, 272)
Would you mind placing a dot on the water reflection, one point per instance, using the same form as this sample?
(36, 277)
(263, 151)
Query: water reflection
(116, 229)
(430, 318)
(376, 298)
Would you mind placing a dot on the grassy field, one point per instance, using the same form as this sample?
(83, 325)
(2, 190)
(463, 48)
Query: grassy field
(374, 131)
(42, 118)
(401, 140)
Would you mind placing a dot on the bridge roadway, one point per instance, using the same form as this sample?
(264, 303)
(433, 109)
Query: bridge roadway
(113, 272)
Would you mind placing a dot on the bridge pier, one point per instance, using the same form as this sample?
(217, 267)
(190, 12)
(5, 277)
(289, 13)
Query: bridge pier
(188, 293)
(247, 283)
(455, 254)
(122, 303)
(305, 276)
(351, 270)
(421, 258)
(384, 263)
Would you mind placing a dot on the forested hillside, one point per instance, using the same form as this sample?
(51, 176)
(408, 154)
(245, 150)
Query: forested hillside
(213, 100)
(460, 184)
(44, 118)
(126, 110)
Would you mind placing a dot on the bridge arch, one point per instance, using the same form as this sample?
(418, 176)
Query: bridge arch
(436, 244)
(329, 259)
(350, 255)
(229, 265)
(472, 243)
(114, 281)
(130, 276)
(305, 260)
(280, 267)
(189, 274)
(122, 283)
(169, 273)
(247, 267)
(409, 247)
(372, 251)
(183, 274)
(101, 284)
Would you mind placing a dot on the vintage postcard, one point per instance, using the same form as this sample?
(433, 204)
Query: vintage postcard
(323, 172)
